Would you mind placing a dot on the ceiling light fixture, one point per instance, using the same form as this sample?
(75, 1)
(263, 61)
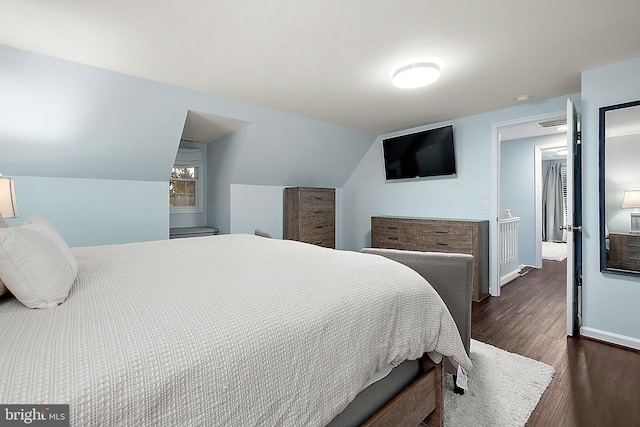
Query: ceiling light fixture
(417, 73)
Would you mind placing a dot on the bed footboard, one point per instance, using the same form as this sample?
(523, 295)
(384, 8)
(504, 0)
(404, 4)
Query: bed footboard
(420, 402)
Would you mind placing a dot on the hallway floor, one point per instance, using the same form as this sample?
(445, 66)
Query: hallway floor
(595, 384)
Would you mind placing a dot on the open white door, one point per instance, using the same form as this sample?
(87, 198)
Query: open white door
(574, 221)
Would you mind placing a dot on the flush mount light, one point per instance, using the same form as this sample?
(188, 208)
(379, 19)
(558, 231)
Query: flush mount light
(415, 74)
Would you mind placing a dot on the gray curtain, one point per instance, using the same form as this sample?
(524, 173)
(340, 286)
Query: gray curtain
(552, 204)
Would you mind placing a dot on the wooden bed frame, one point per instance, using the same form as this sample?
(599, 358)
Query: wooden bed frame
(420, 402)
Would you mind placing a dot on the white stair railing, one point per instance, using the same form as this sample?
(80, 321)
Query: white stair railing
(509, 253)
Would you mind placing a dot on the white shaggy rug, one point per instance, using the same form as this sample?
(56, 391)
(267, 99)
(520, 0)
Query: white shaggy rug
(554, 251)
(504, 389)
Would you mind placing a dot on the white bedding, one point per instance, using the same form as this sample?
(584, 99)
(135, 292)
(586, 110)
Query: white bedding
(219, 331)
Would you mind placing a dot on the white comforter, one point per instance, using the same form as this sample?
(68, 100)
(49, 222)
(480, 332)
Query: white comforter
(219, 331)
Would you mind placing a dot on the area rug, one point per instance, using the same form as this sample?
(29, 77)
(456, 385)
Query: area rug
(504, 389)
(554, 251)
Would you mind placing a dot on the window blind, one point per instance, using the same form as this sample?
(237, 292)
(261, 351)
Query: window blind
(188, 157)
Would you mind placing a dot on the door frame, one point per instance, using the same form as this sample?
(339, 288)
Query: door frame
(574, 223)
(494, 229)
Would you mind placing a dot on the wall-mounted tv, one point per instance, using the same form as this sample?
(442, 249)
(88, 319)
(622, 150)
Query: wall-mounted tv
(423, 154)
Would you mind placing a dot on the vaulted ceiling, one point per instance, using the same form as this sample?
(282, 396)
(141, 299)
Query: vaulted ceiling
(329, 60)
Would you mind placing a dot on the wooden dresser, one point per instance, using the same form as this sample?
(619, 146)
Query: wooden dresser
(438, 235)
(310, 215)
(624, 251)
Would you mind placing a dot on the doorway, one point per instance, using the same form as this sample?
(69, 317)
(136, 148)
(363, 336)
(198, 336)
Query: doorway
(551, 200)
(506, 172)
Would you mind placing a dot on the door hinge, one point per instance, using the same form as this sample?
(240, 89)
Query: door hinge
(578, 136)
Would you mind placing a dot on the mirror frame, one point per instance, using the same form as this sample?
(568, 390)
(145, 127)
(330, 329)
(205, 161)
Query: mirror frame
(603, 251)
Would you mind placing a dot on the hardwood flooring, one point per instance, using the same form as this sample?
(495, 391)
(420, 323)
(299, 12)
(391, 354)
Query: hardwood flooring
(595, 384)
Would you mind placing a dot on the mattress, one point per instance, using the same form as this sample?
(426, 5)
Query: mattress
(223, 330)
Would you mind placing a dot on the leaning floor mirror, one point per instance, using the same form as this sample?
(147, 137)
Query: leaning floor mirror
(620, 189)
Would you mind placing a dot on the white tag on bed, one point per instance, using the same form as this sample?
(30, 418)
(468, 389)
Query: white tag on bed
(462, 378)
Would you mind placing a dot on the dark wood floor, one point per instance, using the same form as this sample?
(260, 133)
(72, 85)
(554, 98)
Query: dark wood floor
(595, 384)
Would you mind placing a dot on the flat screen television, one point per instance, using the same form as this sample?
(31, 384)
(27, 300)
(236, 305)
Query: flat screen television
(423, 154)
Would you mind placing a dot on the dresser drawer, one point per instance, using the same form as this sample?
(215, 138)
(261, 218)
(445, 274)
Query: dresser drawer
(628, 262)
(393, 242)
(312, 199)
(317, 212)
(317, 223)
(393, 225)
(323, 237)
(445, 237)
(625, 251)
(392, 233)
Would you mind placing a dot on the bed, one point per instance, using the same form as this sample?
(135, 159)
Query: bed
(223, 330)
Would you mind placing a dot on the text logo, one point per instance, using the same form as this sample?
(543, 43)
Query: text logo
(34, 415)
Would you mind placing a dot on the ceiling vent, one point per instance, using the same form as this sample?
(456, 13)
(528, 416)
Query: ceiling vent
(553, 123)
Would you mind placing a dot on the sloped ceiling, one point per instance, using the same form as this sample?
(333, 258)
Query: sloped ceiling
(329, 59)
(203, 127)
(64, 119)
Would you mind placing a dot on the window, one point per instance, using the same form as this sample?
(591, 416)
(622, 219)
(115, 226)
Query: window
(182, 187)
(185, 183)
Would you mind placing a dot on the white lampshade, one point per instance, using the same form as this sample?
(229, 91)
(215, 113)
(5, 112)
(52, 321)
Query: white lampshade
(8, 207)
(631, 199)
(415, 74)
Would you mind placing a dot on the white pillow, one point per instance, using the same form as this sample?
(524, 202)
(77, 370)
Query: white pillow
(36, 264)
(41, 224)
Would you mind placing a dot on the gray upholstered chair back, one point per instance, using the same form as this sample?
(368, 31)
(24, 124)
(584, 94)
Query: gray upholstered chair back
(262, 233)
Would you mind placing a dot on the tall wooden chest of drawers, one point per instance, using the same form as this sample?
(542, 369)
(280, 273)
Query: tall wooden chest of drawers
(310, 215)
(438, 235)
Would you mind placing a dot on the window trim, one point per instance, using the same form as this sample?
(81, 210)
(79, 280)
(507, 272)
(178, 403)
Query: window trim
(198, 164)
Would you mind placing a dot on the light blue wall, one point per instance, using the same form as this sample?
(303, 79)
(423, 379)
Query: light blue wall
(67, 120)
(610, 302)
(224, 157)
(518, 188)
(257, 206)
(366, 193)
(64, 119)
(262, 206)
(90, 212)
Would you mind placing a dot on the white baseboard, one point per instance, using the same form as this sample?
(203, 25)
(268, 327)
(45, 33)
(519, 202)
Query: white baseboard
(509, 277)
(513, 275)
(610, 337)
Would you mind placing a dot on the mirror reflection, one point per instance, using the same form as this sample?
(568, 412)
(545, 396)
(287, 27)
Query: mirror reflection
(620, 188)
